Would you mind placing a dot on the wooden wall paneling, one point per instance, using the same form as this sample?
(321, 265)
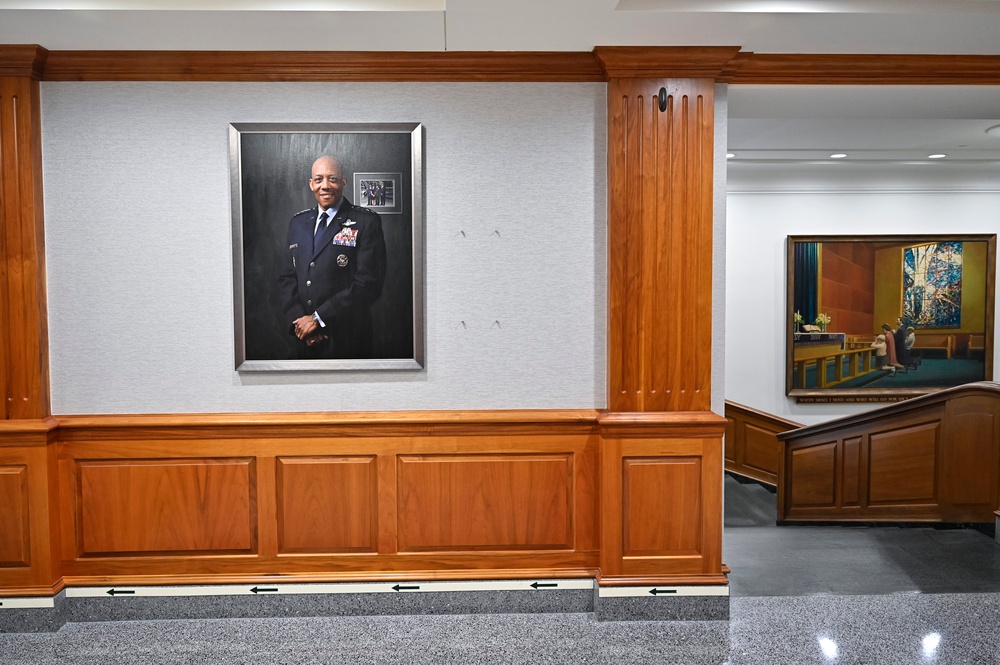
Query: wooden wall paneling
(726, 64)
(24, 374)
(812, 476)
(760, 451)
(673, 485)
(305, 461)
(320, 66)
(661, 500)
(14, 518)
(166, 506)
(970, 454)
(268, 516)
(850, 472)
(866, 68)
(297, 431)
(931, 458)
(29, 564)
(756, 449)
(903, 465)
(660, 177)
(327, 504)
(388, 508)
(485, 502)
(730, 446)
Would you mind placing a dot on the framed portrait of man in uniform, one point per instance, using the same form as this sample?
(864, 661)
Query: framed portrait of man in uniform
(327, 246)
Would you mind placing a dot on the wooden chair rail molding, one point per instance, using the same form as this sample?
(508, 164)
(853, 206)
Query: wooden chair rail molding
(598, 65)
(225, 498)
(308, 425)
(752, 446)
(932, 458)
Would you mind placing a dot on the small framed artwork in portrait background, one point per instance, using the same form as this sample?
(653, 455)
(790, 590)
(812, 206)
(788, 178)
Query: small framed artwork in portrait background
(378, 192)
(327, 246)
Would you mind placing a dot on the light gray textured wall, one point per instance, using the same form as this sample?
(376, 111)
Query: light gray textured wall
(139, 246)
(719, 251)
(756, 279)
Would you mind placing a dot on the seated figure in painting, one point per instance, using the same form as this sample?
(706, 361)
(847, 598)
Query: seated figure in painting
(899, 340)
(890, 346)
(908, 342)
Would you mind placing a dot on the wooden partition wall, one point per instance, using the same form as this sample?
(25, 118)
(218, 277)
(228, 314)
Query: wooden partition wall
(752, 446)
(628, 496)
(326, 497)
(931, 458)
(331, 497)
(631, 495)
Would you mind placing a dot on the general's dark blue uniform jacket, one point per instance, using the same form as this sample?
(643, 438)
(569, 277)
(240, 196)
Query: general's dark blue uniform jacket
(338, 276)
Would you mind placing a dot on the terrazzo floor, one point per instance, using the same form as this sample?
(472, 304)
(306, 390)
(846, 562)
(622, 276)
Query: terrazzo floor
(887, 629)
(826, 595)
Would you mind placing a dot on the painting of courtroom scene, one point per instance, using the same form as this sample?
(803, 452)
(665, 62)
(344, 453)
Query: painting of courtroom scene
(888, 317)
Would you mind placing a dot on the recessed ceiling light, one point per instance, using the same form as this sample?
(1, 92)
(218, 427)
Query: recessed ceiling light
(838, 155)
(937, 156)
(993, 131)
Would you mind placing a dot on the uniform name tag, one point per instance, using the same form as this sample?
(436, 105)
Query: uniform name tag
(347, 237)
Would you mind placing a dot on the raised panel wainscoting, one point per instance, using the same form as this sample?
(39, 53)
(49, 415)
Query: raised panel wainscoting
(934, 458)
(752, 446)
(199, 499)
(630, 497)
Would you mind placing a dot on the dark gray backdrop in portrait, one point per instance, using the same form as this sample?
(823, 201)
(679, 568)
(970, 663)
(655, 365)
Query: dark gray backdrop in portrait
(275, 168)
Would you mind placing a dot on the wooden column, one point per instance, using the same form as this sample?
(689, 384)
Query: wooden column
(661, 447)
(24, 357)
(29, 562)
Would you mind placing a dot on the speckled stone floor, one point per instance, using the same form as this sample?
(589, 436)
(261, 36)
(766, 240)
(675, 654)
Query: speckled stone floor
(801, 595)
(769, 560)
(884, 630)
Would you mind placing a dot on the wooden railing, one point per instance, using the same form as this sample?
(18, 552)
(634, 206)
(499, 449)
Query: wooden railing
(752, 446)
(933, 458)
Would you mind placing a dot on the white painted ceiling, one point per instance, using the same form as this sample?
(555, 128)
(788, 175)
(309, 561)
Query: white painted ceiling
(774, 26)
(881, 128)
(814, 6)
(783, 136)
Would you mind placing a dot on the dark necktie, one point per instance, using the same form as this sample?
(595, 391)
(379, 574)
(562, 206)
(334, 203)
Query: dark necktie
(319, 227)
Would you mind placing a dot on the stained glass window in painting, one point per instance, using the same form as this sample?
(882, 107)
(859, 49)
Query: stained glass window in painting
(932, 285)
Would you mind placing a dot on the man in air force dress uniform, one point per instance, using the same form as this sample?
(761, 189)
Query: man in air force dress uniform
(334, 271)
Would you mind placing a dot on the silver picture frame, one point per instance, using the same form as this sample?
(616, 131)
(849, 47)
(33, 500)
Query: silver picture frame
(270, 166)
(379, 192)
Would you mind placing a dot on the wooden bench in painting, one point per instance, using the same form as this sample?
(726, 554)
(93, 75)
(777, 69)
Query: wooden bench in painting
(935, 342)
(977, 346)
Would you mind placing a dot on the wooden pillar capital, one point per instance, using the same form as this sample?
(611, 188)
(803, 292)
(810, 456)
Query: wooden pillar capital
(692, 62)
(23, 60)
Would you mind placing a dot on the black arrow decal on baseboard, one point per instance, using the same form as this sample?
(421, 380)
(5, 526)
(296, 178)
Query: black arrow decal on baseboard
(258, 589)
(405, 588)
(543, 585)
(120, 592)
(657, 592)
